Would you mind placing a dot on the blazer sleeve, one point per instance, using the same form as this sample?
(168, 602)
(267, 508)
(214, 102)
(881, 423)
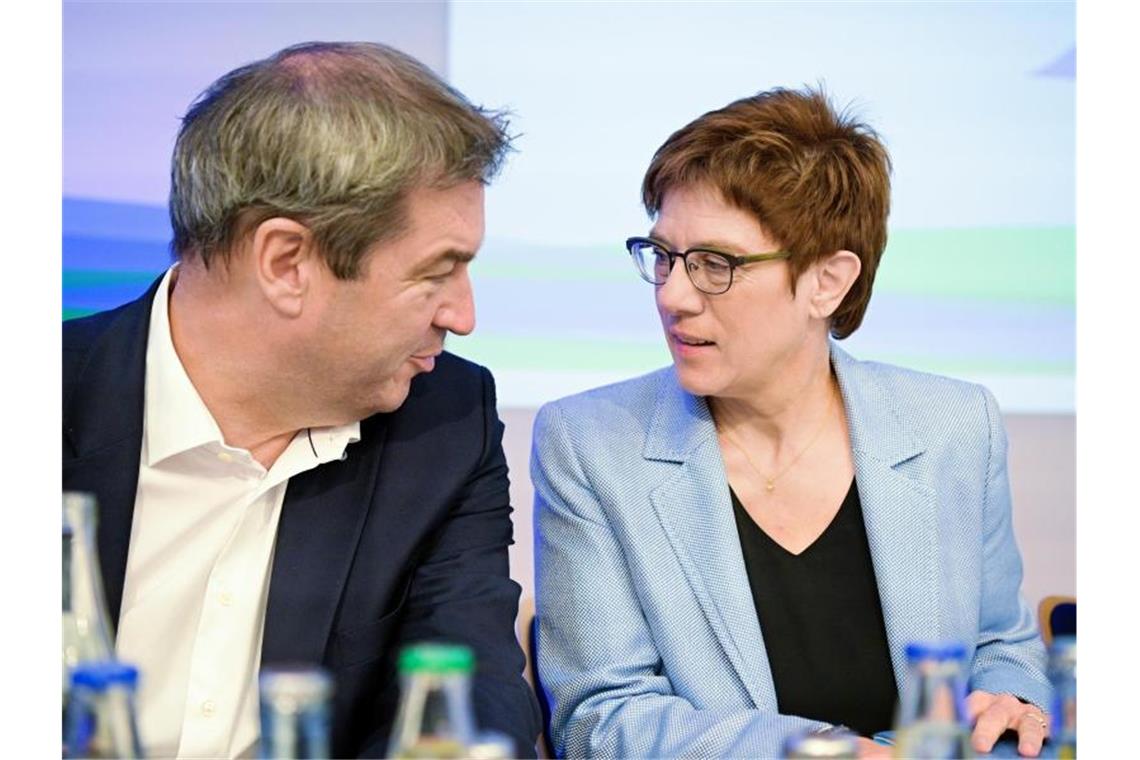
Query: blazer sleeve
(597, 663)
(462, 591)
(1010, 656)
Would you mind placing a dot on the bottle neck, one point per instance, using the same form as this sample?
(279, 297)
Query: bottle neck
(86, 621)
(936, 693)
(435, 714)
(101, 723)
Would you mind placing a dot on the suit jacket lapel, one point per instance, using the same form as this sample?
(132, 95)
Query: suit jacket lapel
(899, 511)
(103, 422)
(694, 507)
(900, 514)
(321, 524)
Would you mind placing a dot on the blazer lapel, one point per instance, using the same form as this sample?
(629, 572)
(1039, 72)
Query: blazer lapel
(103, 422)
(321, 523)
(899, 511)
(693, 506)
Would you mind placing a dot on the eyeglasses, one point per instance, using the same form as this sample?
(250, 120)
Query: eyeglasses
(709, 271)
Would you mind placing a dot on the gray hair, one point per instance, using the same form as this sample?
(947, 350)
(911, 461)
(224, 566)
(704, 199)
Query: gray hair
(333, 135)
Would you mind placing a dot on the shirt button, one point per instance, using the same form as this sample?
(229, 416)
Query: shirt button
(225, 456)
(209, 708)
(226, 598)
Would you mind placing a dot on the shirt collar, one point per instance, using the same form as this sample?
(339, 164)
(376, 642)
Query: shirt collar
(177, 420)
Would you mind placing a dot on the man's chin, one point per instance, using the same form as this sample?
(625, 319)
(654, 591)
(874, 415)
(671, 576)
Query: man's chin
(391, 398)
(389, 401)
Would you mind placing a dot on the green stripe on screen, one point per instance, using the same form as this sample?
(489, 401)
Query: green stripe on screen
(86, 278)
(1013, 264)
(1036, 265)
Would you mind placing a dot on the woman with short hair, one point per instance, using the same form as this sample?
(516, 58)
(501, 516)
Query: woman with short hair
(738, 548)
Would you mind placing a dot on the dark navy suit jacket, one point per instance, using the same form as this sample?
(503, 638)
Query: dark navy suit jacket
(405, 540)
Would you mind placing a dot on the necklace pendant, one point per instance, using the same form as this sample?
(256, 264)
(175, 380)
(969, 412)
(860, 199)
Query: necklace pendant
(770, 486)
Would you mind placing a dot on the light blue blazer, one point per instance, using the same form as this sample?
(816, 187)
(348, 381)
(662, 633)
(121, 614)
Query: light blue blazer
(648, 640)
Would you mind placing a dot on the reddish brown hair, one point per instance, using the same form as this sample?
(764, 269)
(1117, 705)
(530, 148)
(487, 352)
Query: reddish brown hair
(817, 180)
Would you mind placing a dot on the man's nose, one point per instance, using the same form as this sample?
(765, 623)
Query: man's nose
(457, 313)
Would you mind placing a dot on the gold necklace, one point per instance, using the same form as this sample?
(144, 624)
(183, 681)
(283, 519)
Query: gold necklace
(770, 482)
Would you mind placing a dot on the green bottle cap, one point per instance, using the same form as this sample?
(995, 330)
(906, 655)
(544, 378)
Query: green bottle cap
(437, 658)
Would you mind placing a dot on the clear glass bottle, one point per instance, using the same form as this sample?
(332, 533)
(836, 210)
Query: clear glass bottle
(295, 712)
(831, 744)
(86, 624)
(101, 715)
(932, 723)
(435, 718)
(1063, 675)
(492, 745)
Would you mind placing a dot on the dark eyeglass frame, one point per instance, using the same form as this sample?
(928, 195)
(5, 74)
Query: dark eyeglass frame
(730, 260)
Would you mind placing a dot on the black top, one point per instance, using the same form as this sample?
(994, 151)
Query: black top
(822, 621)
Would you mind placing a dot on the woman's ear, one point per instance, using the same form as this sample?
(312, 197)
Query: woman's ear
(835, 274)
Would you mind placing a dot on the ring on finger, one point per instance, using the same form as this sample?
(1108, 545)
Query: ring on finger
(1038, 717)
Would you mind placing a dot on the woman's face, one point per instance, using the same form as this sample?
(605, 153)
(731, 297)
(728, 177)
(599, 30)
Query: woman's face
(737, 343)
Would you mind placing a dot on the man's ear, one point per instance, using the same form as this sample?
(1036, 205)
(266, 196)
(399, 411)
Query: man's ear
(284, 257)
(835, 274)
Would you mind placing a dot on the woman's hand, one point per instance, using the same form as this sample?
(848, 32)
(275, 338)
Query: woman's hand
(993, 714)
(870, 750)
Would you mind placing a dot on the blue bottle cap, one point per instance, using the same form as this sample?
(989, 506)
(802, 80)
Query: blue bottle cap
(935, 650)
(102, 674)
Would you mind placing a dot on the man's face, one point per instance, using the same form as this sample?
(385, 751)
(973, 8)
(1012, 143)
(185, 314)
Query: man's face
(372, 335)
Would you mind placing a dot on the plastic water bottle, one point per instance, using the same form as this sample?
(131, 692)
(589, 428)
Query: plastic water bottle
(932, 722)
(86, 624)
(295, 712)
(101, 714)
(435, 718)
(1063, 675)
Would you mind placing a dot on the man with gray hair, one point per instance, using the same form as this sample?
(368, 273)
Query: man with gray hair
(288, 466)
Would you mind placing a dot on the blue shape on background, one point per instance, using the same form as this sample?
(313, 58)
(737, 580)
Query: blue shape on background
(111, 252)
(1063, 66)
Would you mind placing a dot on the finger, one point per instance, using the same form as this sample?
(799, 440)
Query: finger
(977, 702)
(1032, 728)
(991, 724)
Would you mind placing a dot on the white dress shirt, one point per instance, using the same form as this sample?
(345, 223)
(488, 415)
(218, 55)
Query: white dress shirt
(197, 579)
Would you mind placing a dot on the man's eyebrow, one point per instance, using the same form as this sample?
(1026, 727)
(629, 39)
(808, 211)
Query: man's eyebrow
(452, 254)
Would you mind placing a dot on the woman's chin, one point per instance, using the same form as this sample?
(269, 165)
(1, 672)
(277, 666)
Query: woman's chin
(698, 383)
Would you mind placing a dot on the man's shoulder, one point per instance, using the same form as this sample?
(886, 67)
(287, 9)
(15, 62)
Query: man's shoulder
(456, 389)
(453, 375)
(81, 333)
(83, 337)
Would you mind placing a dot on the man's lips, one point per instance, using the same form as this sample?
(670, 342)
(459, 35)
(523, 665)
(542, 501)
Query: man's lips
(425, 362)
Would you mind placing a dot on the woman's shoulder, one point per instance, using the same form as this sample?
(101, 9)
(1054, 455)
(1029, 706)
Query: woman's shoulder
(905, 382)
(924, 401)
(611, 409)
